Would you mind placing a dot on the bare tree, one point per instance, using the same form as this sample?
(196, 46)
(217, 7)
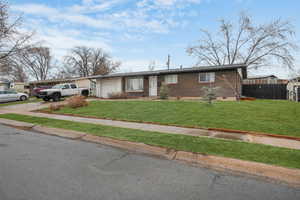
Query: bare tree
(247, 43)
(11, 38)
(85, 61)
(236, 90)
(37, 62)
(102, 63)
(13, 69)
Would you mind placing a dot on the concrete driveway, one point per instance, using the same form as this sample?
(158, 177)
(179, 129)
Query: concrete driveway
(41, 167)
(25, 107)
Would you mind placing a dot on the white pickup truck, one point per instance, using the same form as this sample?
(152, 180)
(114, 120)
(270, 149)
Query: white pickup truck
(62, 90)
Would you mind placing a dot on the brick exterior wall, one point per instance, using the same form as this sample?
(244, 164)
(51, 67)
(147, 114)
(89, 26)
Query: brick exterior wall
(188, 85)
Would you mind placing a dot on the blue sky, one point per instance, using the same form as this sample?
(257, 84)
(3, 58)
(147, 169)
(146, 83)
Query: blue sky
(137, 32)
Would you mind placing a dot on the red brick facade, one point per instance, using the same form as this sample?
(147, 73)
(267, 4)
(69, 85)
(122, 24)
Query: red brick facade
(188, 85)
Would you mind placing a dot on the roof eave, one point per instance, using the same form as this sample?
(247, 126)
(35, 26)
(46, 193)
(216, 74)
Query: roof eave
(184, 70)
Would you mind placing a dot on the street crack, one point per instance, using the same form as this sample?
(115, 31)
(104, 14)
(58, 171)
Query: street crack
(116, 159)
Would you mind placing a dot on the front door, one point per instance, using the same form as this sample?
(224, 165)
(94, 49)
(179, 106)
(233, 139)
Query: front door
(152, 86)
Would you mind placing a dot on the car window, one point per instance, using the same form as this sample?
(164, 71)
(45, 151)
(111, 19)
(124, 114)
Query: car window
(58, 86)
(73, 86)
(1, 92)
(66, 86)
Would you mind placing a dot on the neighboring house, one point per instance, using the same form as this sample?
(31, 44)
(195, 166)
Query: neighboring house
(267, 79)
(85, 82)
(20, 87)
(265, 87)
(184, 82)
(80, 81)
(4, 84)
(293, 88)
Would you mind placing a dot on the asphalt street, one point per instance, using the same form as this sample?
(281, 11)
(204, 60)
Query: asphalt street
(40, 167)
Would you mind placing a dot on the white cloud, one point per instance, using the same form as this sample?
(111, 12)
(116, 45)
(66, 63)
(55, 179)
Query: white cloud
(95, 22)
(55, 15)
(139, 65)
(35, 9)
(62, 39)
(91, 6)
(153, 4)
(147, 17)
(165, 2)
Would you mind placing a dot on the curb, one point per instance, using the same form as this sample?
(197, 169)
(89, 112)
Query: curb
(133, 146)
(17, 124)
(275, 173)
(282, 174)
(59, 132)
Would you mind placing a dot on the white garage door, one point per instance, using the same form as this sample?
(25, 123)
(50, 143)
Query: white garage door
(108, 86)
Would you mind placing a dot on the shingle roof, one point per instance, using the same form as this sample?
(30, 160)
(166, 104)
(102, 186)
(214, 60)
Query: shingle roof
(171, 71)
(157, 72)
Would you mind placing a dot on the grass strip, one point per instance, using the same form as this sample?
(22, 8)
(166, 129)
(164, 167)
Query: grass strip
(269, 116)
(220, 147)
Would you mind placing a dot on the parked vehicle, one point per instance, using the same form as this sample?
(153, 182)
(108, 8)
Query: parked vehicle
(36, 90)
(62, 90)
(6, 96)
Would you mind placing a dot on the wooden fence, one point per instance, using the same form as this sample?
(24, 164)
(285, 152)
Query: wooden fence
(265, 91)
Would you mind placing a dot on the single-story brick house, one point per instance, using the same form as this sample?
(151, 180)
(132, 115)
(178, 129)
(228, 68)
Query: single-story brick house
(183, 82)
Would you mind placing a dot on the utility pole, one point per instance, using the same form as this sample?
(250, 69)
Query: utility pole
(168, 62)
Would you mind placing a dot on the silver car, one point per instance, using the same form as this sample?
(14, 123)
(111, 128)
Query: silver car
(6, 96)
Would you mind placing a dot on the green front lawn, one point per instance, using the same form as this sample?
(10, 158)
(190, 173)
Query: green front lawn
(220, 147)
(269, 116)
(30, 100)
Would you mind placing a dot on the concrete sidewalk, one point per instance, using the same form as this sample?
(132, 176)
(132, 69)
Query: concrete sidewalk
(279, 142)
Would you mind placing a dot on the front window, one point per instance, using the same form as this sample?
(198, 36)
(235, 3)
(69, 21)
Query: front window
(207, 77)
(171, 79)
(135, 84)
